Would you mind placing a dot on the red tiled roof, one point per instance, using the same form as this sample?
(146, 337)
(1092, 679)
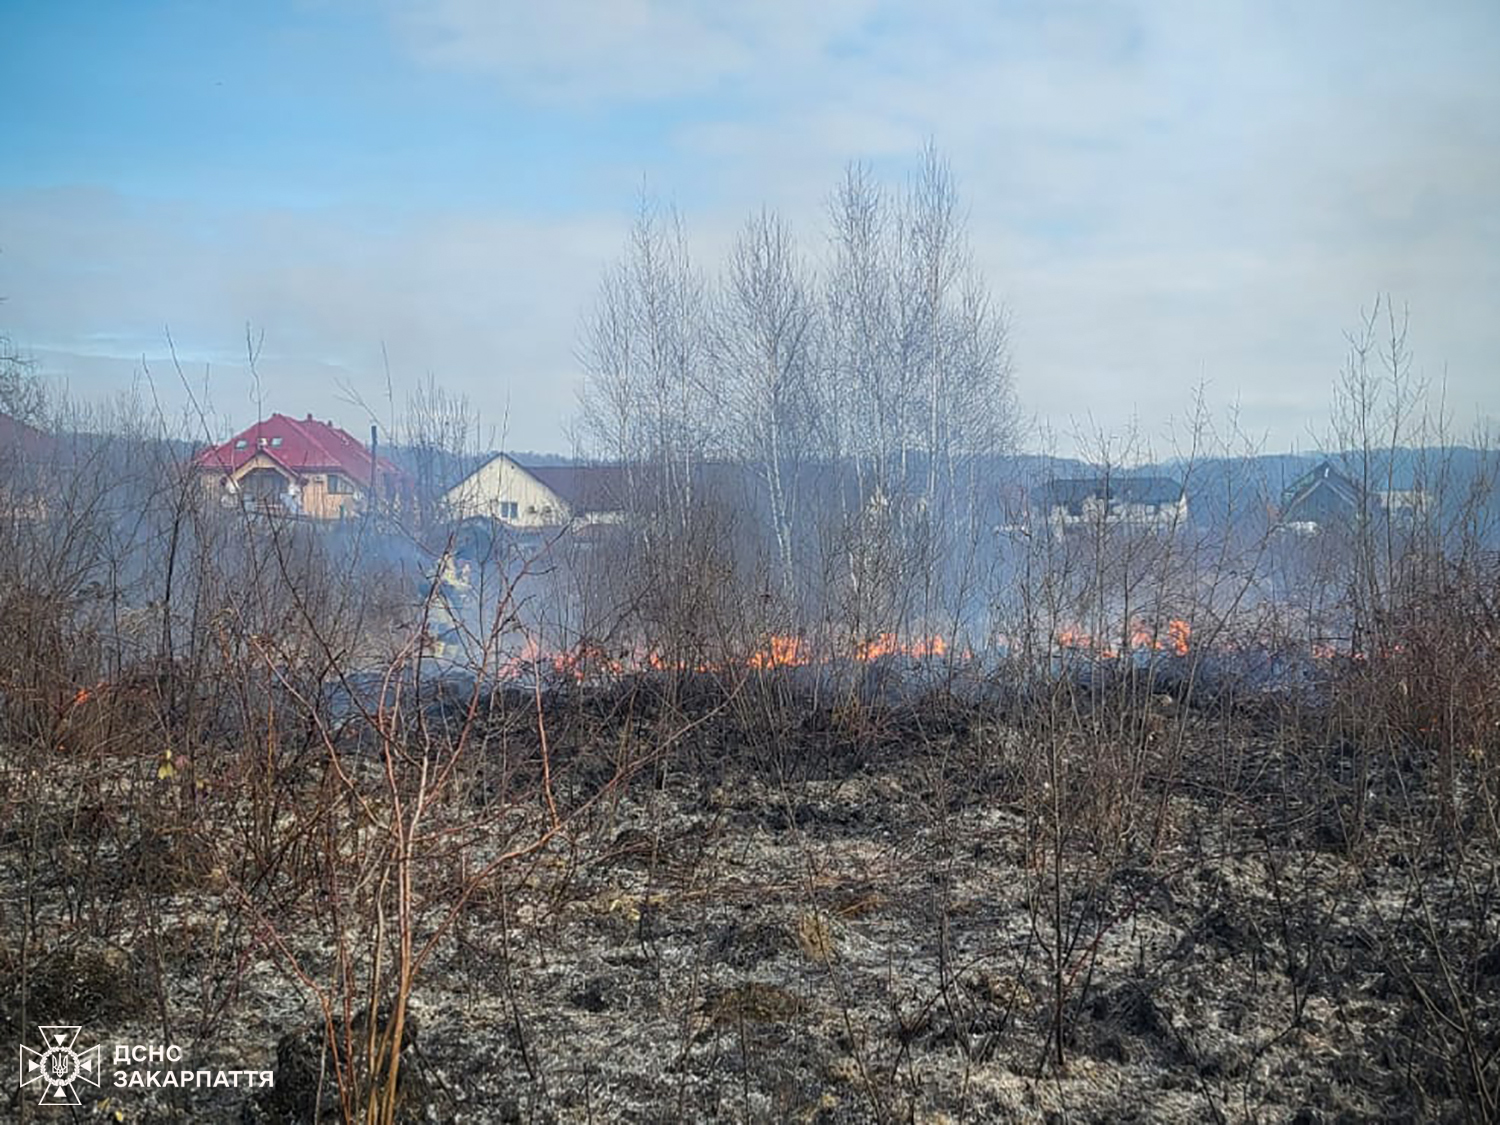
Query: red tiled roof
(305, 446)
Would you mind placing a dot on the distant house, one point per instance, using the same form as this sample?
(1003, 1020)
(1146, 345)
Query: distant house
(1137, 502)
(1324, 497)
(1409, 503)
(539, 496)
(1321, 497)
(302, 467)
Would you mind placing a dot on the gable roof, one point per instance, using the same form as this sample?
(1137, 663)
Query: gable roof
(301, 446)
(584, 488)
(1323, 475)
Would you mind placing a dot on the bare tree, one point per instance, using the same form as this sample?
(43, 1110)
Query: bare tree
(766, 346)
(22, 395)
(650, 403)
(647, 396)
(437, 430)
(918, 379)
(857, 388)
(888, 370)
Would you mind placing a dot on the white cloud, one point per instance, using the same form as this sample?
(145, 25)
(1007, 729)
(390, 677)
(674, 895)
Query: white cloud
(1162, 192)
(582, 50)
(487, 304)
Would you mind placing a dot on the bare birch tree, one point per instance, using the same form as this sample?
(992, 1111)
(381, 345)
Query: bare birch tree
(891, 369)
(437, 430)
(918, 377)
(22, 395)
(648, 398)
(765, 343)
(651, 403)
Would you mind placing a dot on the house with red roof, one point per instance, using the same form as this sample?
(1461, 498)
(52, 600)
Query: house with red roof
(303, 467)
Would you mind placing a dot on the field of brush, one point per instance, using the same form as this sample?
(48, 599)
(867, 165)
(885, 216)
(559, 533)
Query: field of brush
(1096, 898)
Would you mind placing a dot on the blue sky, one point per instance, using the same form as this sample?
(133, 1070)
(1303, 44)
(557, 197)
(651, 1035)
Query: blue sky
(1162, 193)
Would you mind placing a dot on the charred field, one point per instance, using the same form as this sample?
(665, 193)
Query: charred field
(770, 897)
(874, 659)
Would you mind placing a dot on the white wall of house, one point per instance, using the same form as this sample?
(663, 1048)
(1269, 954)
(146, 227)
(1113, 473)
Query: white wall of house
(503, 490)
(1095, 510)
(1161, 516)
(1407, 500)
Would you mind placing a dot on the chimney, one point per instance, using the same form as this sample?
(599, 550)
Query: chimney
(309, 416)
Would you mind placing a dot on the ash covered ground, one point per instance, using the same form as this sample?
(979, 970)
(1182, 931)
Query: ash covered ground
(887, 914)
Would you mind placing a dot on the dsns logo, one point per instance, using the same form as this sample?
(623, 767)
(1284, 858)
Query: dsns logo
(59, 1066)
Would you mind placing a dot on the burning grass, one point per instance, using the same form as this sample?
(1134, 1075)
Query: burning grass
(587, 660)
(915, 905)
(1158, 867)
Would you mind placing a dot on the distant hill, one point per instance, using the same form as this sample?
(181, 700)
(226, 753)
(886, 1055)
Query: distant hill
(539, 460)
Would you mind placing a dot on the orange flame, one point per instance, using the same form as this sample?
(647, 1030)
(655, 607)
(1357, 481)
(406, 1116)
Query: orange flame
(884, 644)
(779, 651)
(84, 694)
(1179, 632)
(889, 644)
(782, 652)
(1074, 638)
(928, 646)
(1140, 637)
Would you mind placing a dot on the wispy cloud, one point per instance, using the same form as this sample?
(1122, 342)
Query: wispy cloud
(581, 51)
(1162, 192)
(488, 304)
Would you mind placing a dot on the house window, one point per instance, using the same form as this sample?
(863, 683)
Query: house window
(275, 441)
(338, 486)
(241, 443)
(509, 509)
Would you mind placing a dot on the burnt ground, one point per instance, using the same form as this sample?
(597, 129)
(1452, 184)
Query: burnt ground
(867, 935)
